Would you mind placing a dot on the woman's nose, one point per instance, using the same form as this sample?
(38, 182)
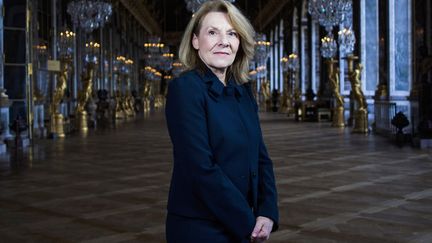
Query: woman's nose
(223, 40)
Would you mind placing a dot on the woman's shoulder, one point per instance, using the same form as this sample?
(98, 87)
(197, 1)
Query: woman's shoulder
(188, 83)
(187, 79)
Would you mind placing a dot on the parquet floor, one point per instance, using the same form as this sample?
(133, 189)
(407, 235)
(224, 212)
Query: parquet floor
(112, 185)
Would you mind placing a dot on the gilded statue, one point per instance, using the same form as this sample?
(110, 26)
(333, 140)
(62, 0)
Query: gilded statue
(37, 95)
(119, 107)
(355, 78)
(87, 88)
(61, 86)
(265, 89)
(285, 101)
(147, 92)
(360, 115)
(338, 111)
(334, 83)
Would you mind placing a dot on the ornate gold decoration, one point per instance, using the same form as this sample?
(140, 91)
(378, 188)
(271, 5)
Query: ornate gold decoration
(119, 107)
(146, 96)
(57, 119)
(84, 95)
(361, 113)
(265, 90)
(338, 111)
(286, 97)
(381, 92)
(38, 96)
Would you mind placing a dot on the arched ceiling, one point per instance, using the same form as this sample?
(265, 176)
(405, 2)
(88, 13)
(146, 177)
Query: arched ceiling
(169, 18)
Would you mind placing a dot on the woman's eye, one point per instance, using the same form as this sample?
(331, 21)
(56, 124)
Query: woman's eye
(211, 32)
(234, 34)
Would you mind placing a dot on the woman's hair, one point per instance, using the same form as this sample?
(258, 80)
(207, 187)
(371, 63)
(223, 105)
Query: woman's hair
(240, 67)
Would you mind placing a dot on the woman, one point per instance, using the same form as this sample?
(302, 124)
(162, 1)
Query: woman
(222, 187)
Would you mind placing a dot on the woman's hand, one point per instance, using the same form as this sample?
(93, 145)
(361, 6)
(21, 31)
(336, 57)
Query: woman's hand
(262, 230)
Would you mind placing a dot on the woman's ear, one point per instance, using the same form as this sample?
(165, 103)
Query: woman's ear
(195, 42)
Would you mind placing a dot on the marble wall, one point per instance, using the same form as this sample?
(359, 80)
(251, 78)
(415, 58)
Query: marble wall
(402, 45)
(370, 38)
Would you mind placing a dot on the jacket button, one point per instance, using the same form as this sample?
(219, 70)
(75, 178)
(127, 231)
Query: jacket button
(254, 174)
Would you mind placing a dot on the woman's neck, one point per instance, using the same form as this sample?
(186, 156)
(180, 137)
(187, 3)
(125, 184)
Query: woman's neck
(220, 73)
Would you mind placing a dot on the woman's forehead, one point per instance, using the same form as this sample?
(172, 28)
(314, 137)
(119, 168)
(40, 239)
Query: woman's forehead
(216, 20)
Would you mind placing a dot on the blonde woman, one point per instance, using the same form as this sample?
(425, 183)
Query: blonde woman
(223, 186)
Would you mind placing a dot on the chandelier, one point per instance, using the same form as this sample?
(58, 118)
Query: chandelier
(329, 13)
(166, 59)
(92, 52)
(153, 44)
(284, 61)
(177, 68)
(346, 41)
(128, 66)
(262, 48)
(194, 5)
(89, 14)
(152, 49)
(66, 43)
(328, 47)
(293, 62)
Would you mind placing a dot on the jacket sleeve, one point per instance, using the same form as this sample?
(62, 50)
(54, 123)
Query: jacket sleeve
(267, 193)
(187, 126)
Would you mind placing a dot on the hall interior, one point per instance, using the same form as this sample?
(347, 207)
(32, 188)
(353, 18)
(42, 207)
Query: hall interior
(344, 91)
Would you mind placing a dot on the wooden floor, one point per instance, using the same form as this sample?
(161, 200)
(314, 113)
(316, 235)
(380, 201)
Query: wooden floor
(112, 186)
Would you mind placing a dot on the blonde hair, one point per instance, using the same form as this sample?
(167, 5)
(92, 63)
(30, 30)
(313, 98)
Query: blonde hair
(240, 67)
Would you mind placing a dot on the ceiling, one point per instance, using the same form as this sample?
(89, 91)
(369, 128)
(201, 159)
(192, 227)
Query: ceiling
(172, 15)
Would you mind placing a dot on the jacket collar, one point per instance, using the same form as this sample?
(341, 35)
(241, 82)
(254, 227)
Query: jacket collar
(215, 86)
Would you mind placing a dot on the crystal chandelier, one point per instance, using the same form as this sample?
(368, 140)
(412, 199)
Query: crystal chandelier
(92, 52)
(346, 41)
(118, 64)
(166, 59)
(284, 61)
(153, 44)
(293, 62)
(194, 5)
(152, 49)
(328, 47)
(177, 68)
(128, 66)
(329, 13)
(151, 74)
(66, 43)
(89, 14)
(262, 48)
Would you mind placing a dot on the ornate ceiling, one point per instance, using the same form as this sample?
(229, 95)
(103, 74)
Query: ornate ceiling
(169, 18)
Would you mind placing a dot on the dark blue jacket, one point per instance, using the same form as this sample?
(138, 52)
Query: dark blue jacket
(221, 166)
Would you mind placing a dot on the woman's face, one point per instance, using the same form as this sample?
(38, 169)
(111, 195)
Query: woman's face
(217, 42)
